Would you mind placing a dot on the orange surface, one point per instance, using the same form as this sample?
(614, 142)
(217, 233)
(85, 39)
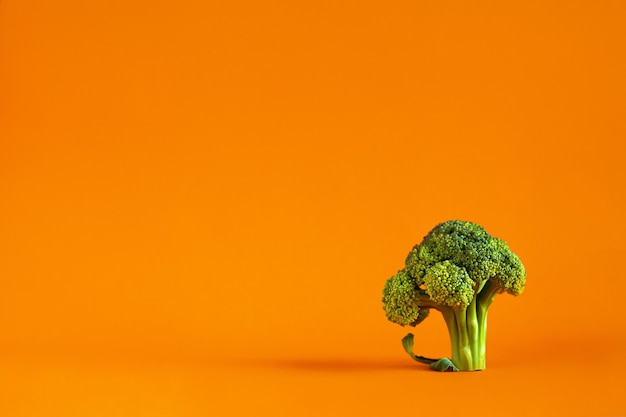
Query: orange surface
(201, 202)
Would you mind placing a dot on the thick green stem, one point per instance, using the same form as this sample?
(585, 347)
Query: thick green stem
(473, 330)
(467, 328)
(481, 352)
(464, 359)
(453, 331)
(483, 301)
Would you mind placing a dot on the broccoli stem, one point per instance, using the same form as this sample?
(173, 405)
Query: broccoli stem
(485, 298)
(467, 328)
(474, 333)
(464, 359)
(481, 352)
(453, 330)
(426, 302)
(483, 301)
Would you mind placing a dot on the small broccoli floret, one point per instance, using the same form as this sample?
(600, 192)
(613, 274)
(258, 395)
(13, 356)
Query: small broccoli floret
(457, 269)
(449, 285)
(401, 300)
(511, 275)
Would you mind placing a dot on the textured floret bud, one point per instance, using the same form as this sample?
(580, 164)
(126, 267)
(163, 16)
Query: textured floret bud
(401, 300)
(448, 284)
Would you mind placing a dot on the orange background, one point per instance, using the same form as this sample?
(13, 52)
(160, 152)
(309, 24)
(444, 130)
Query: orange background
(201, 202)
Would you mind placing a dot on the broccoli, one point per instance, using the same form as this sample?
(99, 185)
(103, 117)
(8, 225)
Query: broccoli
(458, 269)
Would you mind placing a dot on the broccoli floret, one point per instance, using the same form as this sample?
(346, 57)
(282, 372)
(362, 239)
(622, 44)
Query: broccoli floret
(457, 269)
(449, 285)
(401, 300)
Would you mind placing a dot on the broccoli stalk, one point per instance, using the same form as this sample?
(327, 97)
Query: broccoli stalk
(457, 269)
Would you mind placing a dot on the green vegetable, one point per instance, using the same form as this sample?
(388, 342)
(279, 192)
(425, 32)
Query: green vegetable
(458, 269)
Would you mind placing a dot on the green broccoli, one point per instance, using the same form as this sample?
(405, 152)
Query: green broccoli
(458, 269)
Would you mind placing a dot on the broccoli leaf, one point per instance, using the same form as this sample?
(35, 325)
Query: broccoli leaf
(442, 365)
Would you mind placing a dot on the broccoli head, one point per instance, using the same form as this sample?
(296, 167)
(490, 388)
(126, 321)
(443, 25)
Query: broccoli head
(457, 269)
